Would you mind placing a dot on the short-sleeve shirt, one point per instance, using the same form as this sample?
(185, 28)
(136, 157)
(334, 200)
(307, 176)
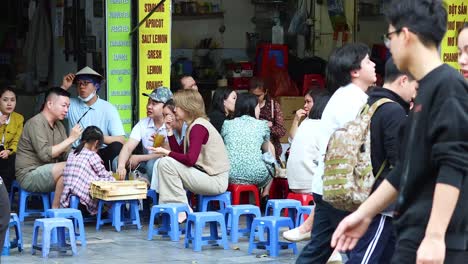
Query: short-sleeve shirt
(102, 114)
(243, 137)
(144, 130)
(35, 144)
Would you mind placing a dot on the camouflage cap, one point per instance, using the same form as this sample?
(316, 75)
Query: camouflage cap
(161, 94)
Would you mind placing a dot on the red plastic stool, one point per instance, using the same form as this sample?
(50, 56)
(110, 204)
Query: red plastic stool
(237, 189)
(304, 198)
(279, 188)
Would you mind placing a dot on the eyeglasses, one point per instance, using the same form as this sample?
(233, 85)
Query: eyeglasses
(387, 37)
(80, 83)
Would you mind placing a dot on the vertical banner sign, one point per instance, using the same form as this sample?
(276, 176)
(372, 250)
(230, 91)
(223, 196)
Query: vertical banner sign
(154, 49)
(457, 15)
(118, 59)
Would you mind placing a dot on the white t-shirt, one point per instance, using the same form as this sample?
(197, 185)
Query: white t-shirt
(144, 130)
(303, 163)
(344, 106)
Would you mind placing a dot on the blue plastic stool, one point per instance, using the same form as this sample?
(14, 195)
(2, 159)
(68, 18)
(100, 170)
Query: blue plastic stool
(199, 220)
(74, 204)
(153, 195)
(15, 187)
(272, 244)
(277, 205)
(117, 215)
(18, 241)
(47, 225)
(76, 216)
(303, 210)
(224, 200)
(232, 216)
(170, 225)
(24, 212)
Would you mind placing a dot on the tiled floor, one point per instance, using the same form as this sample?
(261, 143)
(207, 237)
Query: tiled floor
(131, 246)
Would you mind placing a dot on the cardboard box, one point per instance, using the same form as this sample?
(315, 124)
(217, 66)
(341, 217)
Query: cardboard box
(289, 105)
(287, 125)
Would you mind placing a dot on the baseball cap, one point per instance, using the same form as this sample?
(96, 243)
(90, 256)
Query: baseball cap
(161, 94)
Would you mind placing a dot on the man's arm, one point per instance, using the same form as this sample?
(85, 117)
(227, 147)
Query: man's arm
(432, 248)
(109, 139)
(124, 155)
(62, 147)
(354, 226)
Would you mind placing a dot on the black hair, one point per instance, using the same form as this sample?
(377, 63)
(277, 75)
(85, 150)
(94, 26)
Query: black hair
(245, 105)
(314, 93)
(57, 91)
(5, 89)
(392, 72)
(342, 61)
(320, 101)
(256, 82)
(90, 134)
(170, 104)
(425, 18)
(221, 94)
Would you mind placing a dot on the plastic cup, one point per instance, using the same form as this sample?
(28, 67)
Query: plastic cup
(158, 140)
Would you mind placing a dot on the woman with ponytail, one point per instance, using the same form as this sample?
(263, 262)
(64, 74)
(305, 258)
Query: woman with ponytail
(83, 167)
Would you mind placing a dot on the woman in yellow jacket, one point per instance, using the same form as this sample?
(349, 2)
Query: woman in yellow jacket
(11, 127)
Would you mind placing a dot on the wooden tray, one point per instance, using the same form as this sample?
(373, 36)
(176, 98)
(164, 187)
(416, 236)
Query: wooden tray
(118, 190)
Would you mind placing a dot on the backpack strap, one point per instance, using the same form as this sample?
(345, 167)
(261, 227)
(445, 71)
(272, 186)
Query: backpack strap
(377, 104)
(382, 167)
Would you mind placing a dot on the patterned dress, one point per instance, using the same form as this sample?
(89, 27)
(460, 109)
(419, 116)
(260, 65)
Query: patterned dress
(243, 137)
(79, 172)
(277, 130)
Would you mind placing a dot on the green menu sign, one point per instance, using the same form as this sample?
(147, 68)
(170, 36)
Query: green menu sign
(118, 59)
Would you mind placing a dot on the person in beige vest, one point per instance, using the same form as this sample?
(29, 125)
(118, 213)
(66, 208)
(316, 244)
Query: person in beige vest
(201, 165)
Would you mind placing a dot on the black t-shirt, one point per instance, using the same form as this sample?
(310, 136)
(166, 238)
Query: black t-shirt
(435, 151)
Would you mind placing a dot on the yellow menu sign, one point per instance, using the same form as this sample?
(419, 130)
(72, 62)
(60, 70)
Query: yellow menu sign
(457, 15)
(154, 49)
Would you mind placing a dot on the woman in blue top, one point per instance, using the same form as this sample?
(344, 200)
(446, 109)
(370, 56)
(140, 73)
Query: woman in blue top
(246, 138)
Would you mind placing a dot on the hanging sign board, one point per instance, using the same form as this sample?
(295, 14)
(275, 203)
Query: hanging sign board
(119, 59)
(457, 11)
(154, 49)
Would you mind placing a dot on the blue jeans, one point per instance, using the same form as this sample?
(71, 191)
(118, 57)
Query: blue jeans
(326, 220)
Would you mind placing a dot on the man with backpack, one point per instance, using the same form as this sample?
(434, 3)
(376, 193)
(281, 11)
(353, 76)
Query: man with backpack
(351, 72)
(429, 181)
(378, 243)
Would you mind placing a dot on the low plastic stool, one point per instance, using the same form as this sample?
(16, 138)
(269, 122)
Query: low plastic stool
(272, 224)
(170, 224)
(197, 221)
(232, 217)
(224, 200)
(303, 213)
(78, 221)
(304, 198)
(277, 205)
(74, 204)
(18, 241)
(47, 225)
(153, 195)
(15, 187)
(116, 217)
(23, 211)
(238, 189)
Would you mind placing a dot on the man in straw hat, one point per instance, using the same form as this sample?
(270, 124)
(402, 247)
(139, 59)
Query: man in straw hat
(88, 109)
